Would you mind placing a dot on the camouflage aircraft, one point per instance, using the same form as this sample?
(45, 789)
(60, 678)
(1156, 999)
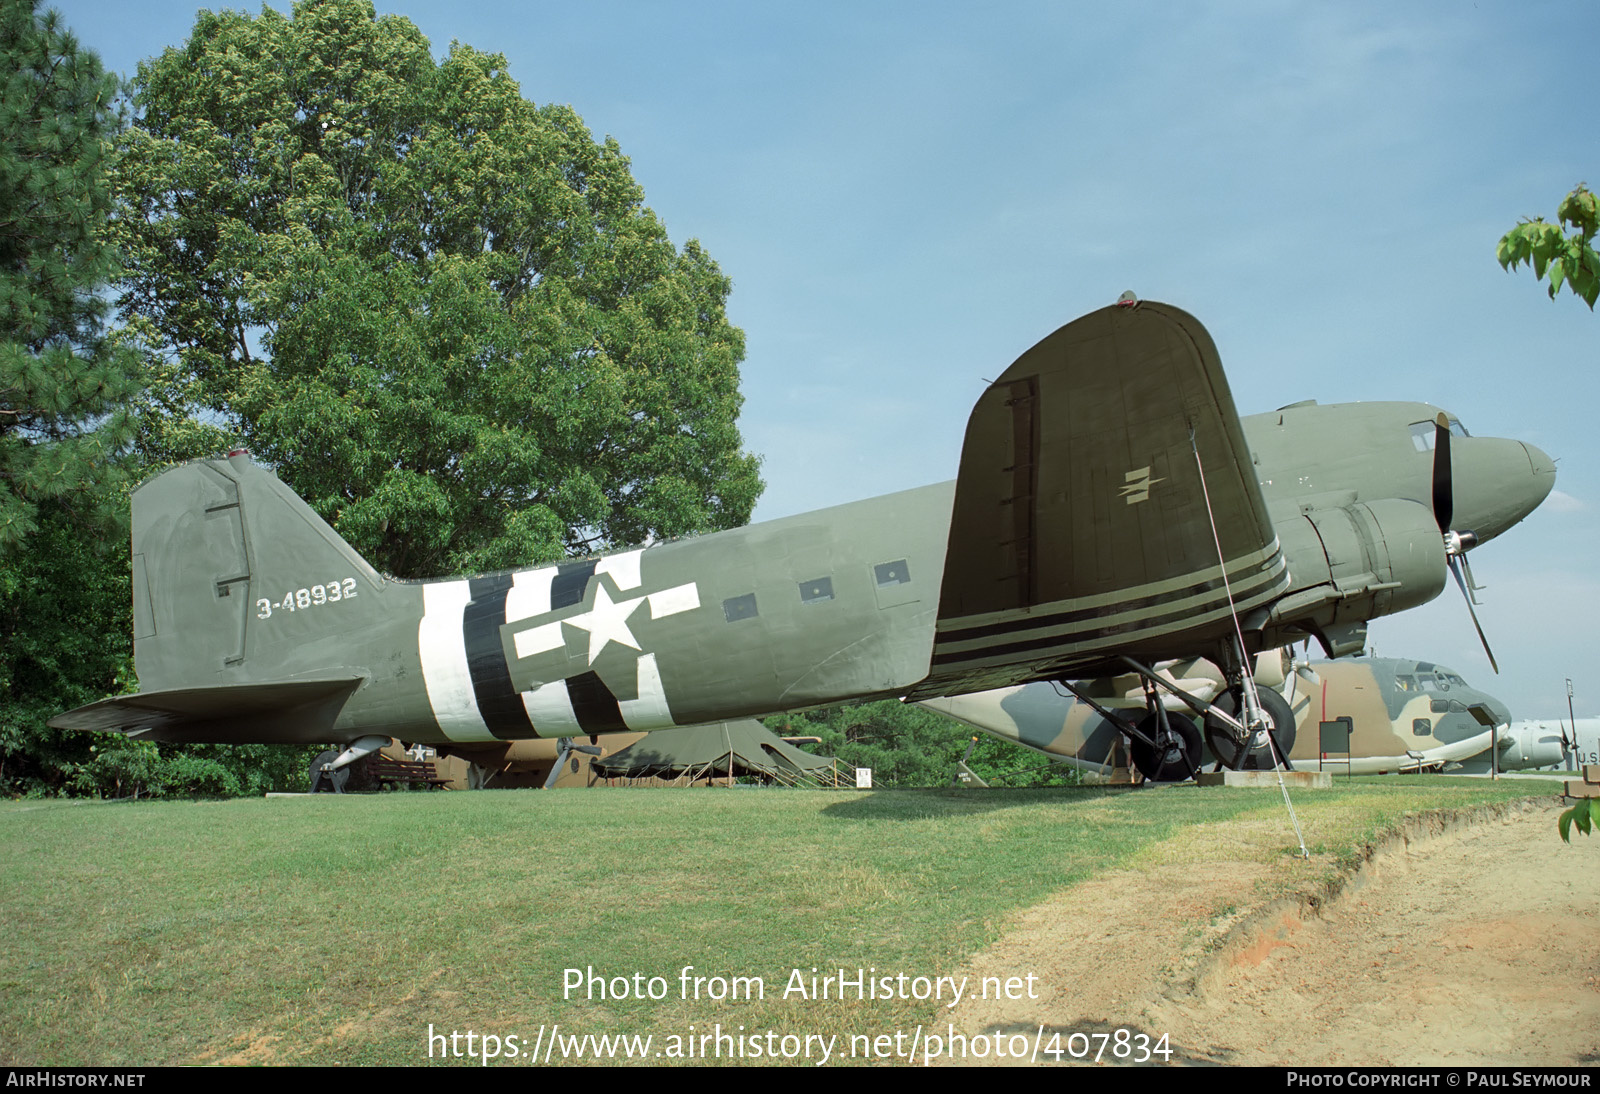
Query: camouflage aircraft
(1110, 511)
(1351, 716)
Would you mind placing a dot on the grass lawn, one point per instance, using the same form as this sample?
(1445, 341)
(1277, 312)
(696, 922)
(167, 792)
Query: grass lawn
(337, 929)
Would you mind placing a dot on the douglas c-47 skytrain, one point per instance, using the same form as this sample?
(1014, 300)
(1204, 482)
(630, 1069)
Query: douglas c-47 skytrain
(1111, 511)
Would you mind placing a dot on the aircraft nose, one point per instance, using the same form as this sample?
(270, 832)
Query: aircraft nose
(1497, 483)
(1543, 466)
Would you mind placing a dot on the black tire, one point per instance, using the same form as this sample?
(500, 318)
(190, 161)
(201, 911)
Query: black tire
(1227, 748)
(1171, 761)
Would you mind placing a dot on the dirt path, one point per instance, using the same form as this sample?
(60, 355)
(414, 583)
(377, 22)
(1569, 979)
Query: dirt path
(1469, 941)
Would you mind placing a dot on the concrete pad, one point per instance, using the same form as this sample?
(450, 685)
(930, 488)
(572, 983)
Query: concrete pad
(1309, 780)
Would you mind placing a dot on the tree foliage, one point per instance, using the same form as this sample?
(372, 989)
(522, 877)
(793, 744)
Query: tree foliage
(65, 627)
(63, 387)
(441, 312)
(910, 746)
(1559, 257)
(1582, 814)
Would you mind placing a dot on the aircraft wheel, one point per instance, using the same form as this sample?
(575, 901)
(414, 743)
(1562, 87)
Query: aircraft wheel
(324, 781)
(1230, 751)
(1174, 760)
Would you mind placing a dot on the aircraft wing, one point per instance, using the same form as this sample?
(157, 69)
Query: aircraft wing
(1453, 752)
(289, 712)
(1105, 492)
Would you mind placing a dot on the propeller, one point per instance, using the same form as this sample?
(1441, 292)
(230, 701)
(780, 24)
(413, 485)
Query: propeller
(1456, 544)
(564, 751)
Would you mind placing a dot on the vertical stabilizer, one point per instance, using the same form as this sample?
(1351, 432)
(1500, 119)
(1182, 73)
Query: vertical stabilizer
(237, 581)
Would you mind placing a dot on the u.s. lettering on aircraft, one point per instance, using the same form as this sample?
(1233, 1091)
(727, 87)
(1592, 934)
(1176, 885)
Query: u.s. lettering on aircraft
(1111, 510)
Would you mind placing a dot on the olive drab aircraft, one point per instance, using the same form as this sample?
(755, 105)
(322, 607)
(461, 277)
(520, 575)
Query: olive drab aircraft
(1110, 511)
(1358, 716)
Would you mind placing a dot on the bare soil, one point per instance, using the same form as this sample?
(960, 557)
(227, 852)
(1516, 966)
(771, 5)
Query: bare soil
(1465, 940)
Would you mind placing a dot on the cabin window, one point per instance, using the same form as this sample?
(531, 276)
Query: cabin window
(892, 573)
(736, 608)
(1423, 434)
(1422, 727)
(816, 590)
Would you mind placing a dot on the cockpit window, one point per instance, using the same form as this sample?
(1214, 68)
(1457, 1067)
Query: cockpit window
(1406, 683)
(1423, 433)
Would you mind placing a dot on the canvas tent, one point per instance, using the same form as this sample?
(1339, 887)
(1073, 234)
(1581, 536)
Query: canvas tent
(722, 750)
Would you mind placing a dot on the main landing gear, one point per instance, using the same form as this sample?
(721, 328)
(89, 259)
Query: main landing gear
(1232, 748)
(325, 780)
(1165, 745)
(1172, 753)
(1247, 727)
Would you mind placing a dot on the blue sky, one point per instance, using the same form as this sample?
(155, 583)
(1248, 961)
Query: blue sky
(908, 195)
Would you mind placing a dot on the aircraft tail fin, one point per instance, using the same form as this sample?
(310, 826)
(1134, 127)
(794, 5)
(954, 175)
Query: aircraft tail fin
(237, 581)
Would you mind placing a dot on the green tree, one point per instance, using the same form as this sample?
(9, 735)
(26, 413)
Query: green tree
(63, 387)
(441, 312)
(66, 622)
(1558, 257)
(1582, 814)
(910, 746)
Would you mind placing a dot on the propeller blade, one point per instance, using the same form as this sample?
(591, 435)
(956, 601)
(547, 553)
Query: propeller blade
(563, 750)
(1443, 489)
(1472, 585)
(1456, 570)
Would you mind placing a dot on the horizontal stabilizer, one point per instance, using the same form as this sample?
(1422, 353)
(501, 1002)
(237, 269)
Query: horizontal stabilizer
(286, 712)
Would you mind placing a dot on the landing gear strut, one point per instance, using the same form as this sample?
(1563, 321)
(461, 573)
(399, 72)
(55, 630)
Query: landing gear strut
(324, 781)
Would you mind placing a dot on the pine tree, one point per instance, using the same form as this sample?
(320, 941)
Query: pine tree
(63, 387)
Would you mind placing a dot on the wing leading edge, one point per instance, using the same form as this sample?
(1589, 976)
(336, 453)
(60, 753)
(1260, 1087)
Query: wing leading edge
(1082, 523)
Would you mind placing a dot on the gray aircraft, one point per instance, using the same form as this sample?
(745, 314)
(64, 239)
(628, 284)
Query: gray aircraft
(1110, 511)
(1567, 743)
(1359, 716)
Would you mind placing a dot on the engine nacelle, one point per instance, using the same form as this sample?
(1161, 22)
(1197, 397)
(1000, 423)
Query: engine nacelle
(1528, 746)
(1349, 564)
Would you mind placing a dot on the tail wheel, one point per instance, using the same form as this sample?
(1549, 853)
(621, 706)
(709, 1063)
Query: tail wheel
(324, 781)
(1233, 753)
(1174, 757)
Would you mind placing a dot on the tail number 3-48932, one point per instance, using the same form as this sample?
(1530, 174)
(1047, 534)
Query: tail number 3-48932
(301, 599)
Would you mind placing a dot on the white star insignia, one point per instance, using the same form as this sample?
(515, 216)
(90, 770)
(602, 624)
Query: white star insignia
(606, 621)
